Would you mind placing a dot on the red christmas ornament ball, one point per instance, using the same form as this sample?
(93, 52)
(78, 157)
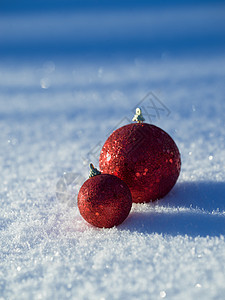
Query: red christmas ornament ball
(145, 157)
(104, 201)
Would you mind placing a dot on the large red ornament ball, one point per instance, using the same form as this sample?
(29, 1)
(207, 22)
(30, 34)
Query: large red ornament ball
(104, 201)
(145, 157)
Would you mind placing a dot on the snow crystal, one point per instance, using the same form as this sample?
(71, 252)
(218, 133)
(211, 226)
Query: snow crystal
(162, 294)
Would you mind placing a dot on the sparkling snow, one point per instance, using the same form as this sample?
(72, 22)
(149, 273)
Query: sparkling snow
(55, 115)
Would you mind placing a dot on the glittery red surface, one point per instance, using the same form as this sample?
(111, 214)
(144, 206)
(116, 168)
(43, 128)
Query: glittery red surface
(104, 201)
(145, 157)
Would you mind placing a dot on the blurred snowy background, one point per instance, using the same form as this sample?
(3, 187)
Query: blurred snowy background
(70, 73)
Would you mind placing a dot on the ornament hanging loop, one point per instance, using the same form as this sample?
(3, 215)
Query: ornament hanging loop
(138, 117)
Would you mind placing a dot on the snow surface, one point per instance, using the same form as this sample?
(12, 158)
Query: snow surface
(55, 116)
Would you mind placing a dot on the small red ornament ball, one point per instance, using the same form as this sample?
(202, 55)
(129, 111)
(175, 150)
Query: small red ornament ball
(104, 201)
(145, 157)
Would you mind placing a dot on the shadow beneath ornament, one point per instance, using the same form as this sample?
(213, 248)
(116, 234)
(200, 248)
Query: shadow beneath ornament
(181, 223)
(208, 196)
(194, 209)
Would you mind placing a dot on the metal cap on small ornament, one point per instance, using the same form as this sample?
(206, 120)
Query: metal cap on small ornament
(144, 156)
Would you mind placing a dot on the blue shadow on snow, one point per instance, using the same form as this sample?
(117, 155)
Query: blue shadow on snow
(206, 200)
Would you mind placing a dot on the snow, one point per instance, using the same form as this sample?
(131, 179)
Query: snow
(56, 112)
